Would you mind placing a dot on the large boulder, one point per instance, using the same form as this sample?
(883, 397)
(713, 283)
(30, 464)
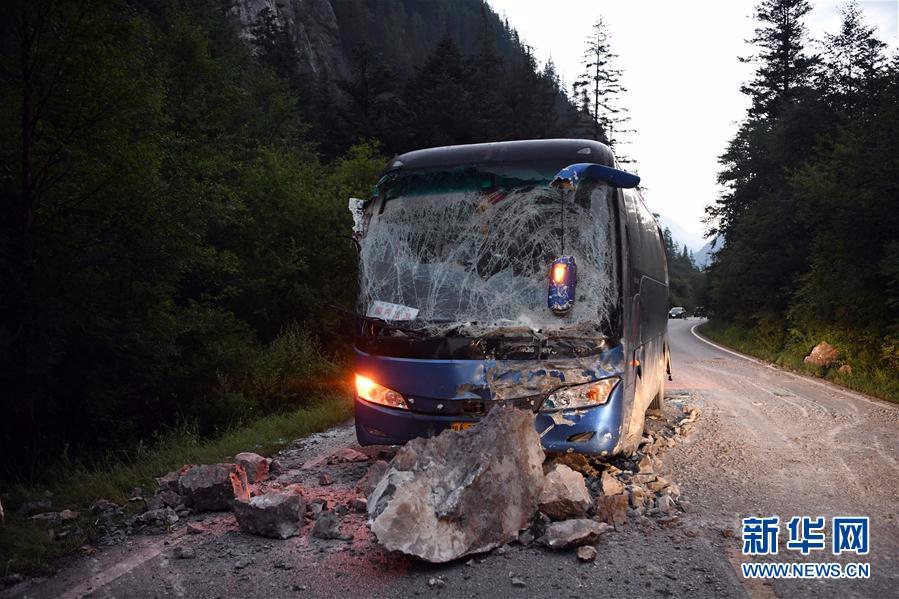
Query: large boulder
(254, 464)
(211, 487)
(276, 513)
(564, 494)
(822, 354)
(461, 492)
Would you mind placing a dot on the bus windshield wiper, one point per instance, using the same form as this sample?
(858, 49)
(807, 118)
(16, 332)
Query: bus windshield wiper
(380, 322)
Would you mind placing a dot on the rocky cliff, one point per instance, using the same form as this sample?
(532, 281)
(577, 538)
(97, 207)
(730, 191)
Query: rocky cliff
(311, 25)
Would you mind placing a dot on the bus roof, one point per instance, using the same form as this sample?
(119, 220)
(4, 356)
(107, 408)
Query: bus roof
(568, 151)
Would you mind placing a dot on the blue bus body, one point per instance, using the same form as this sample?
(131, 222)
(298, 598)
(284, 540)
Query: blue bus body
(427, 380)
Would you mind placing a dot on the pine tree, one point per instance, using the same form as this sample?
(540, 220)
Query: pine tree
(783, 65)
(765, 247)
(599, 87)
(852, 57)
(370, 96)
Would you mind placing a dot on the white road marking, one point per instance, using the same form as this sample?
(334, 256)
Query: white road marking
(829, 386)
(110, 573)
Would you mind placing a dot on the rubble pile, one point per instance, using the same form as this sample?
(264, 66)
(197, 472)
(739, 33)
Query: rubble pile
(437, 499)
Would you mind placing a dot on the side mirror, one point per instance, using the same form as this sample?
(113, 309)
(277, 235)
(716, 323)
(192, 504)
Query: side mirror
(571, 175)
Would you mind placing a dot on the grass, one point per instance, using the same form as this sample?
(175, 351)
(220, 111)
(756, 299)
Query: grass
(866, 355)
(25, 546)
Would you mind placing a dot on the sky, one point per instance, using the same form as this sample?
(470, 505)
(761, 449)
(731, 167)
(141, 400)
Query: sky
(682, 74)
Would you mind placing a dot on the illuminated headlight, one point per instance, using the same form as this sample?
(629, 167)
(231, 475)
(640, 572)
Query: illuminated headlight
(371, 391)
(580, 396)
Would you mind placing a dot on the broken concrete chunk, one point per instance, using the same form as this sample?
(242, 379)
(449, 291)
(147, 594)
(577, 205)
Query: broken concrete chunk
(611, 485)
(214, 486)
(466, 491)
(571, 533)
(254, 464)
(611, 509)
(369, 480)
(564, 493)
(275, 514)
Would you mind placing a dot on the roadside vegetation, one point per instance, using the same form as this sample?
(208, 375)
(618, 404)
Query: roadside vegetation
(809, 211)
(26, 546)
(863, 352)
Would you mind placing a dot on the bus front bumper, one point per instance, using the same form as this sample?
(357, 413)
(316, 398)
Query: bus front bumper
(595, 430)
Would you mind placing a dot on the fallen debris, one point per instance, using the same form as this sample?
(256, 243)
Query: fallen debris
(822, 355)
(564, 493)
(212, 487)
(347, 454)
(255, 466)
(326, 526)
(586, 553)
(463, 491)
(276, 513)
(571, 533)
(610, 509)
(163, 516)
(611, 485)
(370, 479)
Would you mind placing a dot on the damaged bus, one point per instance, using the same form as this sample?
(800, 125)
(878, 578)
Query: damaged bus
(525, 272)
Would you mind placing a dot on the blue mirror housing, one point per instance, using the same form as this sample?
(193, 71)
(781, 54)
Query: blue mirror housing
(571, 175)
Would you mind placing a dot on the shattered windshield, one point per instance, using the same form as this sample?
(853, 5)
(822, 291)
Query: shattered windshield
(470, 248)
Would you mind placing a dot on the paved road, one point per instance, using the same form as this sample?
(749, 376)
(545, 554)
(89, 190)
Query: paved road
(767, 443)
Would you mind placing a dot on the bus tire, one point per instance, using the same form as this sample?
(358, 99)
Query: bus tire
(656, 403)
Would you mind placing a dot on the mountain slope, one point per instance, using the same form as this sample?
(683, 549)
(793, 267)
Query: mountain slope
(703, 257)
(683, 237)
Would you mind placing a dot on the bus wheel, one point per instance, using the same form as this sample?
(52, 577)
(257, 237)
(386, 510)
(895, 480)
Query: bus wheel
(634, 433)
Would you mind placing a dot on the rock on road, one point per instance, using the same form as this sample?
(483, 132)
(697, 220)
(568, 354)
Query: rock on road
(767, 443)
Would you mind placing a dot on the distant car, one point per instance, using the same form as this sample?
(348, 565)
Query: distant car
(699, 312)
(677, 312)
